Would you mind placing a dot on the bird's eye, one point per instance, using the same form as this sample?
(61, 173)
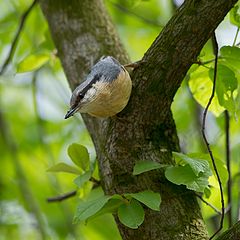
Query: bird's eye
(80, 96)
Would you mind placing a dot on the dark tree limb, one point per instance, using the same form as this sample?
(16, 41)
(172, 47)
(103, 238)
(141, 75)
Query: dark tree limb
(232, 233)
(83, 32)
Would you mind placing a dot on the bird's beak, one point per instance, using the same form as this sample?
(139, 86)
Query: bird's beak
(70, 113)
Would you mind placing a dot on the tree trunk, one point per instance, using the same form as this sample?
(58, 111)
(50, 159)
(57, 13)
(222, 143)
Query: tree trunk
(145, 130)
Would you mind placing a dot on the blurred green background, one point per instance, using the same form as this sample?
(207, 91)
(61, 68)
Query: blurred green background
(34, 134)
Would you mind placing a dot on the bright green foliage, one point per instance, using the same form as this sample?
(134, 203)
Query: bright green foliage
(110, 207)
(198, 165)
(222, 169)
(235, 15)
(144, 166)
(63, 167)
(230, 56)
(201, 85)
(149, 198)
(192, 172)
(131, 214)
(89, 208)
(201, 79)
(81, 179)
(184, 175)
(32, 62)
(79, 155)
(130, 211)
(34, 107)
(226, 84)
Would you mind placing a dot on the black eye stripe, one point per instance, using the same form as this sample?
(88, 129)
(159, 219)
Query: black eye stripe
(83, 92)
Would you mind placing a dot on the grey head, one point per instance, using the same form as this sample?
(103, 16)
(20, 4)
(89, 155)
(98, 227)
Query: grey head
(106, 69)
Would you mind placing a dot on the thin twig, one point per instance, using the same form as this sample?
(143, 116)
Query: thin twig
(208, 204)
(235, 38)
(15, 40)
(229, 182)
(199, 62)
(96, 183)
(62, 197)
(215, 48)
(145, 20)
(134, 64)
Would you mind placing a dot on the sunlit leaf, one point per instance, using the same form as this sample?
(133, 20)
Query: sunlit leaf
(201, 85)
(63, 167)
(235, 15)
(131, 214)
(110, 207)
(80, 180)
(79, 155)
(221, 167)
(149, 198)
(89, 208)
(32, 62)
(198, 165)
(184, 175)
(225, 86)
(207, 192)
(230, 57)
(144, 166)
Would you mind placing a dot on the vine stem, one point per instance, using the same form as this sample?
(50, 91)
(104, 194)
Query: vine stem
(17, 35)
(215, 49)
(208, 204)
(229, 182)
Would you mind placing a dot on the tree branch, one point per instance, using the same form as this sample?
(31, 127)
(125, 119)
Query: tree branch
(62, 197)
(232, 233)
(208, 204)
(146, 125)
(17, 35)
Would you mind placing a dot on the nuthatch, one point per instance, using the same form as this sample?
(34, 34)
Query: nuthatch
(105, 92)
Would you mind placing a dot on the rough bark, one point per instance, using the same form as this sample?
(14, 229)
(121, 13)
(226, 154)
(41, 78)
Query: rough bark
(232, 233)
(145, 130)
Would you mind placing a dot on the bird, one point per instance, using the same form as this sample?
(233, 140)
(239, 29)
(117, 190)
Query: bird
(105, 91)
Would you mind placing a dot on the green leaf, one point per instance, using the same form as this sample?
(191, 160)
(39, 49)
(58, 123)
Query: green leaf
(63, 167)
(131, 214)
(198, 165)
(80, 180)
(201, 85)
(184, 175)
(149, 198)
(32, 62)
(230, 56)
(79, 155)
(145, 166)
(225, 86)
(110, 207)
(235, 15)
(222, 169)
(89, 208)
(207, 192)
